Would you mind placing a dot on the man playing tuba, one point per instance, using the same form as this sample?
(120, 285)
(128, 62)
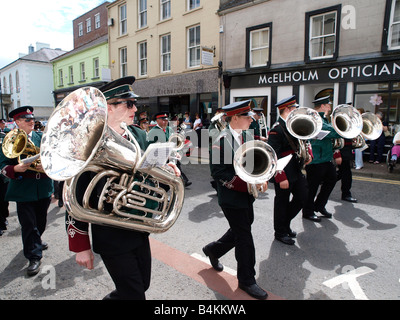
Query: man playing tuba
(31, 190)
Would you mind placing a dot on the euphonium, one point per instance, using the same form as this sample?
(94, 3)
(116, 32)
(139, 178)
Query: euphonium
(17, 144)
(77, 141)
(304, 123)
(217, 120)
(372, 126)
(347, 121)
(255, 163)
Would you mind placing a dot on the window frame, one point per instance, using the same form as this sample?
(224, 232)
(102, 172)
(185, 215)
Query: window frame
(249, 32)
(142, 14)
(71, 74)
(88, 25)
(142, 59)
(123, 20)
(82, 72)
(163, 4)
(97, 21)
(60, 77)
(80, 29)
(123, 62)
(387, 33)
(308, 22)
(195, 5)
(165, 53)
(196, 47)
(96, 68)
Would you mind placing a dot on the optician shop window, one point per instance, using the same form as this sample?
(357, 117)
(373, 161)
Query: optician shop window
(383, 97)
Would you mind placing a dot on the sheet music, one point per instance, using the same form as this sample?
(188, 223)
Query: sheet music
(156, 155)
(30, 159)
(322, 134)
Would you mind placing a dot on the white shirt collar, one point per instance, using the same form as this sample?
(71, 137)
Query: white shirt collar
(236, 135)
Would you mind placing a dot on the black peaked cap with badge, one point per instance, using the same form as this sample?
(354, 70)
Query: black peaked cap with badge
(161, 115)
(119, 89)
(242, 108)
(22, 112)
(287, 103)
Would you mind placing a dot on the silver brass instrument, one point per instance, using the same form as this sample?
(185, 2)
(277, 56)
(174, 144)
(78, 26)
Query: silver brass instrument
(372, 126)
(255, 162)
(304, 123)
(347, 122)
(263, 126)
(77, 140)
(217, 120)
(16, 144)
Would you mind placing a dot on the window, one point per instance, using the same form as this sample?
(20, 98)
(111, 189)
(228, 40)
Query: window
(166, 53)
(97, 21)
(392, 26)
(11, 84)
(322, 33)
(4, 85)
(193, 4)
(123, 62)
(142, 13)
(165, 9)
(122, 20)
(194, 47)
(60, 77)
(71, 74)
(18, 87)
(88, 25)
(142, 59)
(83, 74)
(80, 29)
(96, 68)
(258, 43)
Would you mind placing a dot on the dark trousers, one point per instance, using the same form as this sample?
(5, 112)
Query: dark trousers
(32, 217)
(379, 144)
(323, 174)
(3, 205)
(130, 272)
(239, 237)
(285, 209)
(345, 175)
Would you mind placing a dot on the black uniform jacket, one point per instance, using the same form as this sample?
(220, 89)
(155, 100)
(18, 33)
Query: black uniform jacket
(106, 240)
(279, 142)
(232, 191)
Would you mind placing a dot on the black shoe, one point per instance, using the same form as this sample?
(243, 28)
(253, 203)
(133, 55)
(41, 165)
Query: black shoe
(255, 291)
(312, 217)
(292, 234)
(325, 213)
(45, 246)
(33, 267)
(213, 260)
(188, 183)
(349, 199)
(60, 203)
(285, 239)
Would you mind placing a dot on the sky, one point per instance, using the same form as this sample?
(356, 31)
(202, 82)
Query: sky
(26, 22)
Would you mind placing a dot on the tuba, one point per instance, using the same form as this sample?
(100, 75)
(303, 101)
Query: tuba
(347, 122)
(304, 123)
(17, 144)
(219, 123)
(77, 141)
(372, 126)
(255, 162)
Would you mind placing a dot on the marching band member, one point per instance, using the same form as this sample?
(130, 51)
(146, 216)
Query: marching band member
(289, 181)
(125, 253)
(321, 171)
(31, 191)
(234, 200)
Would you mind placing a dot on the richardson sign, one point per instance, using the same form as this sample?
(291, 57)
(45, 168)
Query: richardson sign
(380, 71)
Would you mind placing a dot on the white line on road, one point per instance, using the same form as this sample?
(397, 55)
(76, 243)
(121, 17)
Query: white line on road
(206, 260)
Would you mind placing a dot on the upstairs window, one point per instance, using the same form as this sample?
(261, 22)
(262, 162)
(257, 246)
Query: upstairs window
(142, 59)
(193, 4)
(392, 26)
(166, 53)
(322, 34)
(258, 43)
(88, 25)
(97, 22)
(165, 9)
(142, 13)
(123, 62)
(194, 47)
(80, 29)
(122, 20)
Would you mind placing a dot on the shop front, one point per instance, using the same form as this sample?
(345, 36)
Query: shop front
(371, 84)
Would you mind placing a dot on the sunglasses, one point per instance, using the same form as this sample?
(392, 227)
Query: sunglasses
(129, 103)
(29, 119)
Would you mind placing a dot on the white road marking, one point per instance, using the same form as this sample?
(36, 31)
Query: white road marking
(206, 260)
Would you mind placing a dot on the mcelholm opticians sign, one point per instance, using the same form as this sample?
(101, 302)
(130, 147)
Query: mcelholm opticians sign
(380, 71)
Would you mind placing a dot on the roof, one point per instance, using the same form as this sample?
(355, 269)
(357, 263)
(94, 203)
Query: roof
(44, 55)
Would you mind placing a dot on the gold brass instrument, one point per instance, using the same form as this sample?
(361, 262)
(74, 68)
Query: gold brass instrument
(78, 142)
(304, 123)
(255, 162)
(16, 144)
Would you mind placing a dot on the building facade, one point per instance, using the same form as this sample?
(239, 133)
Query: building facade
(347, 50)
(29, 81)
(171, 47)
(88, 63)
